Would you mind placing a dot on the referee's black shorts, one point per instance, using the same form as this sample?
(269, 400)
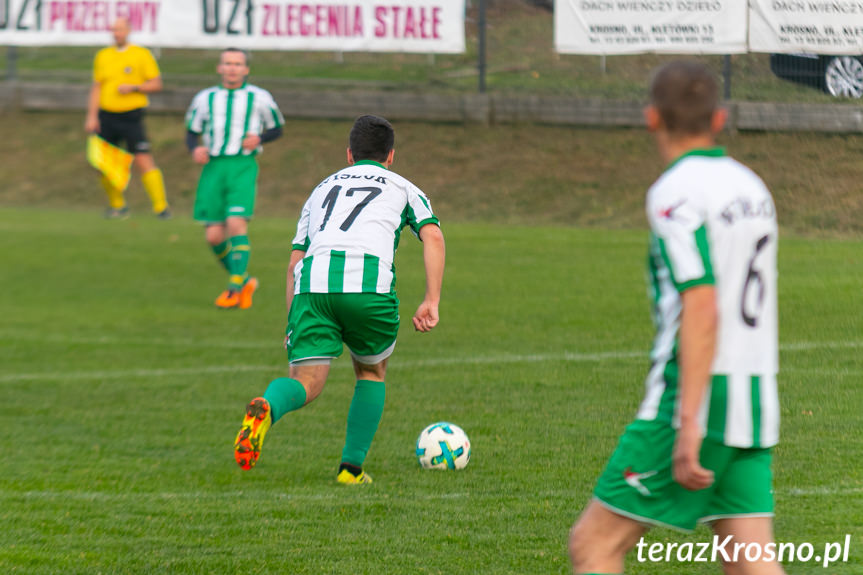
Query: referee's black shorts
(116, 127)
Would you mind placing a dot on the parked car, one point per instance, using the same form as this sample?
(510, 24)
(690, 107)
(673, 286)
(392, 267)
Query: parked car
(840, 76)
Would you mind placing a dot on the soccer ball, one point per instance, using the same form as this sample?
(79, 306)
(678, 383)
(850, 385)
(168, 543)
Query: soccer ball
(443, 445)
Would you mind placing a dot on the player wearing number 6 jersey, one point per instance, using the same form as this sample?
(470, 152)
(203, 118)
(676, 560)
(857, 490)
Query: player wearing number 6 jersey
(699, 448)
(341, 291)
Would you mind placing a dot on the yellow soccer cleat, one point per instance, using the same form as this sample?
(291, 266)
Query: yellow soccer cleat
(256, 423)
(345, 477)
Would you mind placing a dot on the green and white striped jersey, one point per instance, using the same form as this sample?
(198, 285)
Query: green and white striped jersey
(350, 228)
(713, 222)
(224, 117)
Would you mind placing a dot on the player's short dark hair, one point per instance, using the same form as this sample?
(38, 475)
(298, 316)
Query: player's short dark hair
(372, 138)
(239, 51)
(686, 94)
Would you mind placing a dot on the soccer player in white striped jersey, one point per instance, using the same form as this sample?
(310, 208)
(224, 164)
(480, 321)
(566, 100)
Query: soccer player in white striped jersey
(699, 449)
(341, 291)
(233, 119)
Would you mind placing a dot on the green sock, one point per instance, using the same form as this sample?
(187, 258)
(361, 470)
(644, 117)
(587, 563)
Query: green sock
(223, 251)
(238, 262)
(284, 395)
(367, 407)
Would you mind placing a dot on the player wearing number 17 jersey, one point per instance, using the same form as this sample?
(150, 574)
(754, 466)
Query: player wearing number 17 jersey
(341, 291)
(699, 448)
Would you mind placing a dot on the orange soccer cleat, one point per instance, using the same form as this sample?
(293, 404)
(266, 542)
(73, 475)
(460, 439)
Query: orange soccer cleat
(228, 299)
(247, 292)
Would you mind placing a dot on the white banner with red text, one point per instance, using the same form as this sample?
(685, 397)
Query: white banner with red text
(420, 26)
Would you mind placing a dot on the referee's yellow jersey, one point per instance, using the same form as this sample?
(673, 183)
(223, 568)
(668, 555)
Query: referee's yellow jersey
(131, 65)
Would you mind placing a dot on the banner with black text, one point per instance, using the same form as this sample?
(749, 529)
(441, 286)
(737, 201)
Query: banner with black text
(811, 26)
(660, 26)
(424, 26)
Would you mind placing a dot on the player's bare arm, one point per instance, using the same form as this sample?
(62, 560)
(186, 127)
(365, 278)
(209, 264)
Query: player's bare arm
(698, 327)
(296, 257)
(150, 86)
(434, 257)
(91, 124)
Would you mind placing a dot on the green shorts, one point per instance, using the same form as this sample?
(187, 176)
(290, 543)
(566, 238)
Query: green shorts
(319, 323)
(638, 483)
(226, 189)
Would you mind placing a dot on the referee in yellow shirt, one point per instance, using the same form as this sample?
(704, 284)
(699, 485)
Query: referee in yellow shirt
(123, 75)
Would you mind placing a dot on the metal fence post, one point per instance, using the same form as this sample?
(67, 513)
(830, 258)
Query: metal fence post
(482, 56)
(726, 77)
(11, 63)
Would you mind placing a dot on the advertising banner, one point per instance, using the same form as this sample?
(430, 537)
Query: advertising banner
(812, 26)
(660, 26)
(424, 26)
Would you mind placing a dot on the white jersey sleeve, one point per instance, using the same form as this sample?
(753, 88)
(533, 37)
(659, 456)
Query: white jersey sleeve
(198, 114)
(678, 221)
(268, 111)
(419, 212)
(301, 239)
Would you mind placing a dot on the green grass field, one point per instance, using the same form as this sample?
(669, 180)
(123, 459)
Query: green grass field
(123, 388)
(559, 175)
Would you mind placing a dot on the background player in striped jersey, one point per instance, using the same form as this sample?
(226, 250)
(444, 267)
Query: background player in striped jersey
(234, 119)
(341, 291)
(699, 448)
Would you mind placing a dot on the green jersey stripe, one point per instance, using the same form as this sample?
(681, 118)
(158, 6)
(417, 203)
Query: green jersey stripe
(228, 118)
(718, 406)
(425, 203)
(702, 281)
(250, 105)
(336, 273)
(306, 275)
(431, 220)
(370, 273)
(210, 115)
(669, 395)
(653, 275)
(756, 411)
(713, 152)
(191, 120)
(703, 245)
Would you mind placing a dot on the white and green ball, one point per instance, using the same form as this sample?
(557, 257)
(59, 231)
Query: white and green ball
(443, 445)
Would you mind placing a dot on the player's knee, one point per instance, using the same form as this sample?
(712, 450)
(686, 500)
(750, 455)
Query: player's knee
(376, 372)
(237, 226)
(214, 235)
(580, 545)
(144, 162)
